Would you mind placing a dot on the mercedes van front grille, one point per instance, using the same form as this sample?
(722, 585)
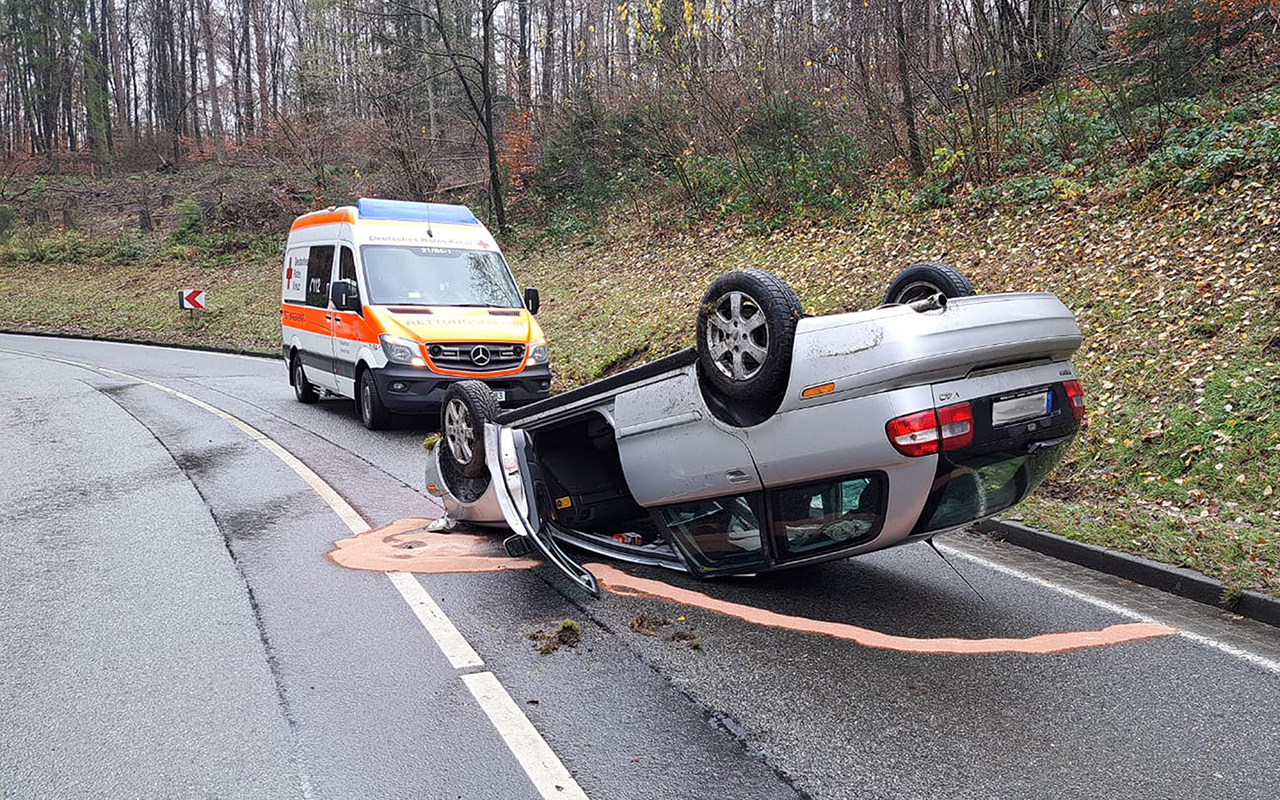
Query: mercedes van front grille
(476, 356)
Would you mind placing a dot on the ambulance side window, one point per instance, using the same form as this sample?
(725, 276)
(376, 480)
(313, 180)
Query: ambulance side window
(347, 266)
(319, 271)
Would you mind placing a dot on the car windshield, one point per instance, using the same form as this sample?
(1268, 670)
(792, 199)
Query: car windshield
(437, 276)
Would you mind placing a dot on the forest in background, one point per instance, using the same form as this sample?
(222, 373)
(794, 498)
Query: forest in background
(553, 110)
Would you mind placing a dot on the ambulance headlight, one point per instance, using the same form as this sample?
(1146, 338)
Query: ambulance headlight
(539, 354)
(400, 350)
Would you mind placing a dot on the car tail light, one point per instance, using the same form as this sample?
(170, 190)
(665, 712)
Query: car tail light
(914, 434)
(955, 425)
(1075, 396)
(928, 432)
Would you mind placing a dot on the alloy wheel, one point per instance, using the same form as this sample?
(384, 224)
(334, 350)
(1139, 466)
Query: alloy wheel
(738, 336)
(458, 432)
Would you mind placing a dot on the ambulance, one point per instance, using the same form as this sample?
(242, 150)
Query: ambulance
(388, 302)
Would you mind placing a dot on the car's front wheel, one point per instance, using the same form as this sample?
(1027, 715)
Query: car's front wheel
(746, 326)
(922, 281)
(467, 406)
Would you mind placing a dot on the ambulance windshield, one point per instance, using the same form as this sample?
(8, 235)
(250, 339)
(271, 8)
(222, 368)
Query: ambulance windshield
(437, 276)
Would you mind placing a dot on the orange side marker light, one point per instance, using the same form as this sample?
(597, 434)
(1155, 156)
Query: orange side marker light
(822, 388)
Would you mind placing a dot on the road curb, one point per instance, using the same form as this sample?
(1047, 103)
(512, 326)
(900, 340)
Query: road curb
(88, 337)
(1165, 577)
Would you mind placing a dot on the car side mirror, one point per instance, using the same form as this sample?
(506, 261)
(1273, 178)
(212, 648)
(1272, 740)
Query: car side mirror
(531, 301)
(517, 546)
(345, 296)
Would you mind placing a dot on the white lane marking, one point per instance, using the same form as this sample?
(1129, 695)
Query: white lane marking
(1106, 605)
(539, 761)
(452, 643)
(526, 744)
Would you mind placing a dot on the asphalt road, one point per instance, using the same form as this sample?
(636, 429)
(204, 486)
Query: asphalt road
(172, 628)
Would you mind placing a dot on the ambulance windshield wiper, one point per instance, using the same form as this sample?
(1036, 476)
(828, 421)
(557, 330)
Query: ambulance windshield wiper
(471, 305)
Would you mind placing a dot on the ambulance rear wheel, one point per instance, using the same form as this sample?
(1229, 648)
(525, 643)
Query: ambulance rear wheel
(373, 413)
(302, 388)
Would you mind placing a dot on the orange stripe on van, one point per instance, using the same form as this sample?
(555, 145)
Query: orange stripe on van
(305, 318)
(344, 214)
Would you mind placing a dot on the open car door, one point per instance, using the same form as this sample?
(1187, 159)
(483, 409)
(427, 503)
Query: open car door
(514, 491)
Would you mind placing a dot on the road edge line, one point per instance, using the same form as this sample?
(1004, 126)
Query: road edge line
(197, 348)
(1178, 581)
(1262, 662)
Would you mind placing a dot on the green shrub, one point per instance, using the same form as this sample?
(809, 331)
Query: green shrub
(190, 221)
(1215, 167)
(783, 159)
(985, 196)
(1037, 189)
(6, 220)
(931, 195)
(594, 156)
(125, 249)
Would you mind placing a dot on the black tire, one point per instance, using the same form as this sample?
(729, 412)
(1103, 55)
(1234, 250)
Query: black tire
(467, 406)
(920, 281)
(302, 388)
(373, 413)
(746, 327)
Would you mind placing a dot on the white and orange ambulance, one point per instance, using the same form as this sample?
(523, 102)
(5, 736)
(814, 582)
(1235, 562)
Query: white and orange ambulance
(388, 302)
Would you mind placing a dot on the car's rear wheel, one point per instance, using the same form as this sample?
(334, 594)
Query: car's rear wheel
(302, 388)
(467, 406)
(922, 281)
(746, 326)
(373, 413)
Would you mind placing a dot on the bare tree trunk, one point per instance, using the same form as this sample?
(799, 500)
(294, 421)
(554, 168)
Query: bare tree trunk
(211, 66)
(547, 97)
(491, 139)
(260, 54)
(117, 78)
(523, 75)
(915, 159)
(193, 37)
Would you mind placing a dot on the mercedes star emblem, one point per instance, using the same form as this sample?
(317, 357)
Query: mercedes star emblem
(480, 355)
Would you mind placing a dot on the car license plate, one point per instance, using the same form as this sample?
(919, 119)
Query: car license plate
(501, 395)
(1026, 406)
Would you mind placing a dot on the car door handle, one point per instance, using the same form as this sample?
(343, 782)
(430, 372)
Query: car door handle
(737, 476)
(327, 318)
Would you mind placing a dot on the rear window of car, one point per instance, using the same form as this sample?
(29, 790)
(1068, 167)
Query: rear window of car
(971, 487)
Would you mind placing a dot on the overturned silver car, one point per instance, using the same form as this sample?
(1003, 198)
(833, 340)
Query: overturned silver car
(781, 439)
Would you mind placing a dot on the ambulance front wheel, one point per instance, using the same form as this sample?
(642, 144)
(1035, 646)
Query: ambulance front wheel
(373, 413)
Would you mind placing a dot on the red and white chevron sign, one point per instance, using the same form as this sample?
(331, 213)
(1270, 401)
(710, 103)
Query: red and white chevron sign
(191, 298)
